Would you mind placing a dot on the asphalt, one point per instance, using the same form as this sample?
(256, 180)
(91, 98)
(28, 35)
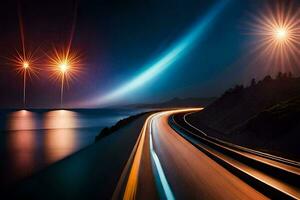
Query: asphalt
(180, 170)
(191, 173)
(275, 176)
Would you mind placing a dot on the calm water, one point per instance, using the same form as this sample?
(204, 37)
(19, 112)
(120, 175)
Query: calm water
(31, 140)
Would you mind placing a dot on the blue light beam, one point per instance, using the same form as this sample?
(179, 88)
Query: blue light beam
(176, 52)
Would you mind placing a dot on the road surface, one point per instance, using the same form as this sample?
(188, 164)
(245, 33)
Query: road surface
(163, 156)
(168, 163)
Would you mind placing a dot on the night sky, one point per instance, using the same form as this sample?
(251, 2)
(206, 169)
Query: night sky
(117, 38)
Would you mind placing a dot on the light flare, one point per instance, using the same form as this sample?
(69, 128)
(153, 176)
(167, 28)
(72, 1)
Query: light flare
(65, 66)
(24, 62)
(277, 32)
(281, 34)
(65, 63)
(26, 66)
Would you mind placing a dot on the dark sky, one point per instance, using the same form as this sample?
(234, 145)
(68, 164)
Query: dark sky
(116, 38)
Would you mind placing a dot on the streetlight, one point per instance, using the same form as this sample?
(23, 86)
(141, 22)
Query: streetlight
(25, 64)
(25, 69)
(64, 65)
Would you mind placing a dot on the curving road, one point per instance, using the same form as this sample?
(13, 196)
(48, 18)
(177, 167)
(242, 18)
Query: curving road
(172, 162)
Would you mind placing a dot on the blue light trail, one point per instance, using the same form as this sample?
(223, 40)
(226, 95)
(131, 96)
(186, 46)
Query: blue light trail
(172, 55)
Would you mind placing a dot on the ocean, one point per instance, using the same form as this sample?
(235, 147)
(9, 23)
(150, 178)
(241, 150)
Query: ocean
(30, 140)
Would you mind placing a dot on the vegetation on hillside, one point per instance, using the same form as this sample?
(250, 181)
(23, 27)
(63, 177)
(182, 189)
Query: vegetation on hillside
(283, 117)
(265, 114)
(239, 104)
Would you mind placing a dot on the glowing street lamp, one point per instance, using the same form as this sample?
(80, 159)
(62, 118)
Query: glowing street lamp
(24, 60)
(281, 34)
(25, 64)
(25, 69)
(64, 66)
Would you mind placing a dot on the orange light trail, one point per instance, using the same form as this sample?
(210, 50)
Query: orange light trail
(278, 38)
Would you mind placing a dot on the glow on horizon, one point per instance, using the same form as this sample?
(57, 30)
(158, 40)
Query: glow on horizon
(168, 58)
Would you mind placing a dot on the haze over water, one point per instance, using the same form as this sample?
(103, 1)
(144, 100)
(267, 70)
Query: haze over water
(31, 140)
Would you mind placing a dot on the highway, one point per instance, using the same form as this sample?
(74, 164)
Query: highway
(172, 159)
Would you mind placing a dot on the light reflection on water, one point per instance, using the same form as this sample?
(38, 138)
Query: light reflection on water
(21, 147)
(61, 119)
(21, 143)
(60, 138)
(30, 141)
(21, 120)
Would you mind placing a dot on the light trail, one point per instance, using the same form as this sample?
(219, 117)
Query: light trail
(258, 174)
(132, 182)
(131, 186)
(162, 177)
(170, 57)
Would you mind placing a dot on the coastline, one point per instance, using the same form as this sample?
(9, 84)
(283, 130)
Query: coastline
(100, 164)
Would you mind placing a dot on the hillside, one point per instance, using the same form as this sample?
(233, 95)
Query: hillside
(264, 115)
